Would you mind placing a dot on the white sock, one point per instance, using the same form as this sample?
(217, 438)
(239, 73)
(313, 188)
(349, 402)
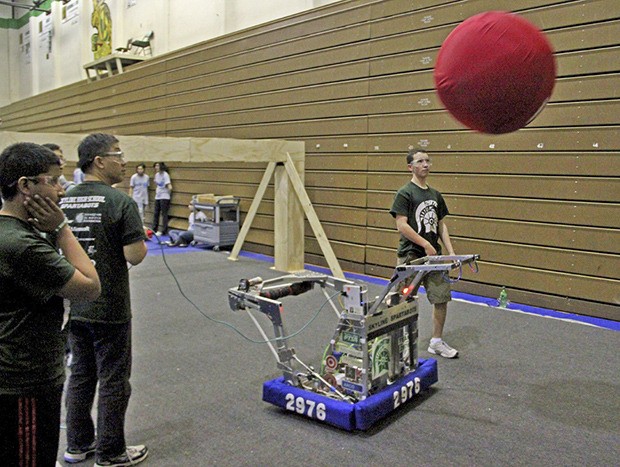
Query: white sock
(436, 340)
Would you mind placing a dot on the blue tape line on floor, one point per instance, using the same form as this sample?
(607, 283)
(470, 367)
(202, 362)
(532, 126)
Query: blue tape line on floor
(600, 322)
(154, 248)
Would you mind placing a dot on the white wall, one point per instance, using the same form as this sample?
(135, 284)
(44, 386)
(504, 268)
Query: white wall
(4, 66)
(21, 48)
(70, 45)
(176, 23)
(237, 16)
(195, 19)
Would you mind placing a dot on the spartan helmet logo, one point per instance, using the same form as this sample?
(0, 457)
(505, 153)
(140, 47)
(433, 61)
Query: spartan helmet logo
(426, 217)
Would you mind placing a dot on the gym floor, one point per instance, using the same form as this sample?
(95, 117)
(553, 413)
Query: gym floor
(526, 390)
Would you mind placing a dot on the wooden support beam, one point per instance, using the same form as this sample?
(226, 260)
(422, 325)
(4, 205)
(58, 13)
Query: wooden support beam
(288, 224)
(249, 218)
(163, 148)
(313, 219)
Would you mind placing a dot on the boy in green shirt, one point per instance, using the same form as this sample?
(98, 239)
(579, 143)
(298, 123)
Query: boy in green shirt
(34, 279)
(419, 211)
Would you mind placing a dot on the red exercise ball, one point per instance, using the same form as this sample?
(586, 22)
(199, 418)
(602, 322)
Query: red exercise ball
(494, 72)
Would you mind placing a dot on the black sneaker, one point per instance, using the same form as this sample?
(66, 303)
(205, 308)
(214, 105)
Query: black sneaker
(73, 456)
(133, 455)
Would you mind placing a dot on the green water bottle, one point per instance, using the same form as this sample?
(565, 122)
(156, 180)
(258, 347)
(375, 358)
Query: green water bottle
(502, 301)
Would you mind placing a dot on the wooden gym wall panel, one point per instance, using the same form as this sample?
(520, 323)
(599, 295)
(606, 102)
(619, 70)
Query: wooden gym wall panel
(555, 212)
(521, 186)
(354, 81)
(484, 162)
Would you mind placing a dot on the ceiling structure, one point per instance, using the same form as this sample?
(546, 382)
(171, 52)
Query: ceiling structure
(18, 8)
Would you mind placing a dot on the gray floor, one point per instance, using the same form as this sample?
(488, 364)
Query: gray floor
(526, 391)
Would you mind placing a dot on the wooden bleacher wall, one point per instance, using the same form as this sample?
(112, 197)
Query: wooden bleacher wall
(354, 81)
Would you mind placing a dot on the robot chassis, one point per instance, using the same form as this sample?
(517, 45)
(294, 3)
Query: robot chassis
(373, 347)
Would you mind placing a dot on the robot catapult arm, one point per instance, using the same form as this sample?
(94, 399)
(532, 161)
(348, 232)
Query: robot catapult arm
(262, 295)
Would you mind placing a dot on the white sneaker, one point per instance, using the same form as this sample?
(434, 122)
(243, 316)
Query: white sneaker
(133, 455)
(159, 234)
(443, 349)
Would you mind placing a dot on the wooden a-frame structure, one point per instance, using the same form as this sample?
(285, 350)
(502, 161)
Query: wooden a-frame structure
(285, 163)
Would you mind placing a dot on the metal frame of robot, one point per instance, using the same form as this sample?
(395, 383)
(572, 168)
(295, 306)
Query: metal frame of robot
(356, 367)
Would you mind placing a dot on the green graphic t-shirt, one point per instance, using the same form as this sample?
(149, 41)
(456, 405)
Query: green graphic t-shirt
(104, 220)
(424, 208)
(32, 344)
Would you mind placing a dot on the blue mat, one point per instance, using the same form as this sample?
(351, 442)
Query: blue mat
(359, 416)
(155, 248)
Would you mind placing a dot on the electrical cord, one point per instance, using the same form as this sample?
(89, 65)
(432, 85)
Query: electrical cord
(229, 325)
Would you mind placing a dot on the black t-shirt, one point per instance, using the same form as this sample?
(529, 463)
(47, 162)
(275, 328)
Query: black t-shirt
(424, 208)
(104, 220)
(32, 343)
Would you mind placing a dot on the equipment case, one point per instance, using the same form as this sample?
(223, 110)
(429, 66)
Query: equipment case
(222, 225)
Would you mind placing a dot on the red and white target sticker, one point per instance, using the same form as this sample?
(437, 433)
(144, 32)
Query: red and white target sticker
(331, 362)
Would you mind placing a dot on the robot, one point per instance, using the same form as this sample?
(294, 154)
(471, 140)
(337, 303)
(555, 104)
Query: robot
(370, 366)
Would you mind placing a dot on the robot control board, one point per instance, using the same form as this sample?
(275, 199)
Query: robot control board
(370, 364)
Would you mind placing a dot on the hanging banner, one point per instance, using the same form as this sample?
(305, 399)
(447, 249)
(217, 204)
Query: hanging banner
(71, 11)
(24, 45)
(45, 36)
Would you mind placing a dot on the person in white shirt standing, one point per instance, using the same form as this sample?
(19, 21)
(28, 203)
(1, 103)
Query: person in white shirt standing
(163, 193)
(139, 189)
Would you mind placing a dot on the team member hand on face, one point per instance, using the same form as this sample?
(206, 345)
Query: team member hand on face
(44, 214)
(34, 281)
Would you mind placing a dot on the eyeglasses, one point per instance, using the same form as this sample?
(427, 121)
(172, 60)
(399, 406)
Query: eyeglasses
(46, 179)
(421, 161)
(119, 154)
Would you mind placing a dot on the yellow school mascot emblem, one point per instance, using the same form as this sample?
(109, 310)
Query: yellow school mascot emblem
(101, 20)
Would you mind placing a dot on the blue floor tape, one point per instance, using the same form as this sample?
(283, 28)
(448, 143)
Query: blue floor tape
(155, 248)
(599, 322)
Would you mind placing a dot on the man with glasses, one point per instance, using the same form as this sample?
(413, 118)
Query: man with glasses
(34, 279)
(107, 223)
(419, 211)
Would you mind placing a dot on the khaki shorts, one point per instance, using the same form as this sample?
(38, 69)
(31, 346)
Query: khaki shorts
(436, 285)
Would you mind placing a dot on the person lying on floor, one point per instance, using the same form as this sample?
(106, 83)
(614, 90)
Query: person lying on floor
(183, 238)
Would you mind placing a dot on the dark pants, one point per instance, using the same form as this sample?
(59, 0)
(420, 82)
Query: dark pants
(30, 428)
(161, 207)
(101, 353)
(181, 237)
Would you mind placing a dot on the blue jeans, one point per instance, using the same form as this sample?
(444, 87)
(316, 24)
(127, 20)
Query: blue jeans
(101, 353)
(181, 237)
